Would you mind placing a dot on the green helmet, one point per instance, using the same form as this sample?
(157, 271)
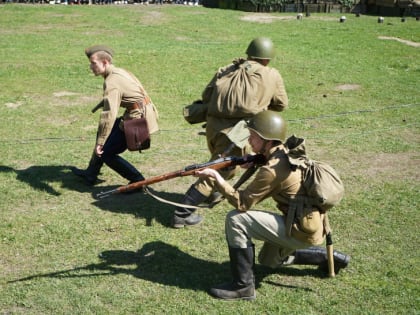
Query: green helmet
(261, 48)
(269, 125)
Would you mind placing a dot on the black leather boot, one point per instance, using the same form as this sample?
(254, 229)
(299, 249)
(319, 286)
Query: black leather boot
(242, 286)
(214, 199)
(124, 168)
(318, 256)
(186, 216)
(90, 174)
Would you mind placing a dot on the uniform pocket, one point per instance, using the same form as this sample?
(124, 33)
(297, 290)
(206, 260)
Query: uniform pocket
(308, 227)
(310, 222)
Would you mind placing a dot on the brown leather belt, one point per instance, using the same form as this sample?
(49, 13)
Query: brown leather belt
(133, 107)
(138, 105)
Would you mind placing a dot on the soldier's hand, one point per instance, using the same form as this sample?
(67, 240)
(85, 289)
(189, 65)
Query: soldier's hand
(98, 150)
(207, 172)
(248, 164)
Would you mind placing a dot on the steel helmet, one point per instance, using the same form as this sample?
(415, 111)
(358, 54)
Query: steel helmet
(261, 48)
(269, 125)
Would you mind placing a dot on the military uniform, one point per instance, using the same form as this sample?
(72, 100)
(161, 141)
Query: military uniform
(288, 237)
(278, 181)
(270, 94)
(121, 89)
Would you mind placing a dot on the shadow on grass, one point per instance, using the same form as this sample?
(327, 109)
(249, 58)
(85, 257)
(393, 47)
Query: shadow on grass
(140, 204)
(156, 262)
(288, 271)
(41, 177)
(163, 263)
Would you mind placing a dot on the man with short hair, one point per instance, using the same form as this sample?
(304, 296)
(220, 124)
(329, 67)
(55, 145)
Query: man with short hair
(279, 181)
(266, 91)
(121, 89)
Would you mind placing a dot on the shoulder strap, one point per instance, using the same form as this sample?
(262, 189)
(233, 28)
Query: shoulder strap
(296, 151)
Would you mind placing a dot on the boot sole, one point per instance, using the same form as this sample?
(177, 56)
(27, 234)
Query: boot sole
(180, 226)
(183, 225)
(245, 298)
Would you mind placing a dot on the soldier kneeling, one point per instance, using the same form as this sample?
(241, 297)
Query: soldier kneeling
(278, 180)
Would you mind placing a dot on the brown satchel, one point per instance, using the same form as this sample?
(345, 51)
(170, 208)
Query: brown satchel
(137, 134)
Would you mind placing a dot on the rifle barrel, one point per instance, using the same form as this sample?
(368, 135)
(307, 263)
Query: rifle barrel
(104, 194)
(186, 171)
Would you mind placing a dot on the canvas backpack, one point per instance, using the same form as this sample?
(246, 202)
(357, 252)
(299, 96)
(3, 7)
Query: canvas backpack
(324, 188)
(234, 92)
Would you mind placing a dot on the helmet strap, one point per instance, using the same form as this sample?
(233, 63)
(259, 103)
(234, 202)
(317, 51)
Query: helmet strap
(264, 147)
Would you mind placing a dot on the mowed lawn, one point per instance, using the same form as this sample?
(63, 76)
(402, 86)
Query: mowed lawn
(354, 96)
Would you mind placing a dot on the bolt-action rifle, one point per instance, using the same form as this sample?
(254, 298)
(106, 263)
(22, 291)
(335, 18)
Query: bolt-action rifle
(99, 105)
(217, 164)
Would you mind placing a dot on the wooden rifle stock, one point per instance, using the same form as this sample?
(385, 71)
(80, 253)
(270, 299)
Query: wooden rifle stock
(330, 256)
(99, 105)
(186, 171)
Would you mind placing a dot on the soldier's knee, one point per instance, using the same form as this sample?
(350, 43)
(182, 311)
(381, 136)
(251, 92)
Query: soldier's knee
(233, 217)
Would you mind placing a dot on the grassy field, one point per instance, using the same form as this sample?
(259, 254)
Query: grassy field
(354, 95)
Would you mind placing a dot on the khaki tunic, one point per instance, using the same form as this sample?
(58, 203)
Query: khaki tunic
(276, 180)
(270, 94)
(121, 89)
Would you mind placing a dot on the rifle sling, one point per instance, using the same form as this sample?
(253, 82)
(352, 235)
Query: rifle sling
(245, 176)
(147, 190)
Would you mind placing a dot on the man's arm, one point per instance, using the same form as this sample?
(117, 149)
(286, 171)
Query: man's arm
(243, 200)
(280, 100)
(112, 100)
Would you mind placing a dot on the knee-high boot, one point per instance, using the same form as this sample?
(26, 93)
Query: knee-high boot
(90, 174)
(124, 168)
(242, 286)
(318, 256)
(185, 216)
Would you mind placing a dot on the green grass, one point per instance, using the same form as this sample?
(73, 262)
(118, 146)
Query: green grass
(64, 252)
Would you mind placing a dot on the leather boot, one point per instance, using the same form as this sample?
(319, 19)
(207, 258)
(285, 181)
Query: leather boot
(90, 174)
(124, 168)
(318, 256)
(214, 199)
(186, 216)
(242, 286)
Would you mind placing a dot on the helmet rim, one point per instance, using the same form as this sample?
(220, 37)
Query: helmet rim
(261, 48)
(269, 125)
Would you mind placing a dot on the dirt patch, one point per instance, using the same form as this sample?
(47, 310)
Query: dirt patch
(391, 166)
(63, 93)
(181, 38)
(370, 166)
(347, 87)
(13, 105)
(384, 166)
(67, 98)
(148, 16)
(404, 41)
(265, 18)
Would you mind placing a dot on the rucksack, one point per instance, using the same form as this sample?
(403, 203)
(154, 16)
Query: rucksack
(323, 186)
(234, 92)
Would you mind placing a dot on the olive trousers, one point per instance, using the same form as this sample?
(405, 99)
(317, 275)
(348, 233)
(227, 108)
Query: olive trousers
(241, 227)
